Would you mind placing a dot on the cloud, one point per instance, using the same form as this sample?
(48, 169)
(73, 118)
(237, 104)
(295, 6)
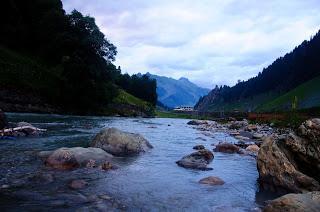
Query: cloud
(209, 41)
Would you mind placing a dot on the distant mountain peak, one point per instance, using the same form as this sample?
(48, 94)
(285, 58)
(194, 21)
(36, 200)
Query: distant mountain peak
(184, 79)
(173, 93)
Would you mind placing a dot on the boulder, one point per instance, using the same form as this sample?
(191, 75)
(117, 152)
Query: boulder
(197, 122)
(212, 181)
(3, 120)
(70, 158)
(257, 135)
(29, 131)
(308, 202)
(227, 148)
(120, 143)
(289, 164)
(197, 160)
(198, 147)
(253, 148)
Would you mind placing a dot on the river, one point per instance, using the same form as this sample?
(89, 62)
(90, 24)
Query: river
(148, 182)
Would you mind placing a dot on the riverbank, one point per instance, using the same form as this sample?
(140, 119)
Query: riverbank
(124, 104)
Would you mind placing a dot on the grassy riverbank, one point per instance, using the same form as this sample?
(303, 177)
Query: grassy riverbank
(169, 114)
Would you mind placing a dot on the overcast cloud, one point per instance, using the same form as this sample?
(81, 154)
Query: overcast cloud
(208, 41)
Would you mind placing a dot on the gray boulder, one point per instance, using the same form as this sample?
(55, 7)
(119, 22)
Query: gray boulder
(197, 160)
(120, 143)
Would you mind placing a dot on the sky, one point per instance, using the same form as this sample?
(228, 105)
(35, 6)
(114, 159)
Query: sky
(211, 42)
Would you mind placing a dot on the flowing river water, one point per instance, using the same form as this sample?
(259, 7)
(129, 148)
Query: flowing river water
(148, 182)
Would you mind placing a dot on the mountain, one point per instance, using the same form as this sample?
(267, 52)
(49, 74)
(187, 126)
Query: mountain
(282, 76)
(173, 93)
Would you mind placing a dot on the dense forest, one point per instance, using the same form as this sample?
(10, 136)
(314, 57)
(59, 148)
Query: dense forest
(283, 75)
(62, 58)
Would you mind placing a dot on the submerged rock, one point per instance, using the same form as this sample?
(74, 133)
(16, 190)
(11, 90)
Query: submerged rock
(197, 160)
(70, 158)
(120, 143)
(78, 184)
(227, 148)
(309, 202)
(212, 181)
(198, 147)
(107, 166)
(197, 122)
(291, 163)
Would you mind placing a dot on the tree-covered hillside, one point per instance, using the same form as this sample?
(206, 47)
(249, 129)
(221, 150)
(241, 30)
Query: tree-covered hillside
(283, 75)
(59, 59)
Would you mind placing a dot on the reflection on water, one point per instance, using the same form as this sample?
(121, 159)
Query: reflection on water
(151, 181)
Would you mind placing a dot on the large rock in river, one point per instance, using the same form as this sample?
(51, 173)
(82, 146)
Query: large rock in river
(308, 202)
(227, 148)
(197, 160)
(291, 163)
(120, 143)
(3, 120)
(70, 158)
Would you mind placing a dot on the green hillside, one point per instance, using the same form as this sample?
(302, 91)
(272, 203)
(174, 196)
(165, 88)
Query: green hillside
(126, 104)
(28, 82)
(306, 94)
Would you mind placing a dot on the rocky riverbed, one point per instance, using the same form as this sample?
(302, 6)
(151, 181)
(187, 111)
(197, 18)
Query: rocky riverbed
(115, 164)
(287, 161)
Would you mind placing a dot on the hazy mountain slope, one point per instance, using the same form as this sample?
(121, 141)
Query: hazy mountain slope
(174, 93)
(282, 76)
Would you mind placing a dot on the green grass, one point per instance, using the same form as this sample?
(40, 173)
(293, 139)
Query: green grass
(307, 94)
(126, 98)
(126, 104)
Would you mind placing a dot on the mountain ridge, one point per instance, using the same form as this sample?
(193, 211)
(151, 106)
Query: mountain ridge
(182, 92)
(283, 75)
